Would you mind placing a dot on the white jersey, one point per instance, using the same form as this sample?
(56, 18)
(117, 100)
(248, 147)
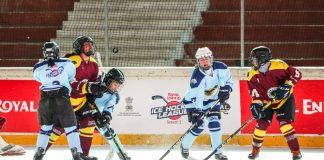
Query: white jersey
(204, 88)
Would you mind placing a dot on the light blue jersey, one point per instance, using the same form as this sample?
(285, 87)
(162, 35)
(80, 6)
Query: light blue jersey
(203, 91)
(107, 102)
(56, 77)
(204, 88)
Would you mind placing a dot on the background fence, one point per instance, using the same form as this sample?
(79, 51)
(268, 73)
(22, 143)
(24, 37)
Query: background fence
(164, 32)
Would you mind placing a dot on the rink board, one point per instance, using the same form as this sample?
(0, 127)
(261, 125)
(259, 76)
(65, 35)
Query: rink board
(141, 120)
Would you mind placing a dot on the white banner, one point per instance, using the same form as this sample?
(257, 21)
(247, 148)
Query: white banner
(138, 113)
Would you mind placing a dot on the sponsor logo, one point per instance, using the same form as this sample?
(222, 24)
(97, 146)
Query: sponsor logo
(311, 107)
(17, 106)
(172, 110)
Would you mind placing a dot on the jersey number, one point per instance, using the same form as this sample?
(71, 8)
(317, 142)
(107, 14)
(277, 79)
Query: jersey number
(255, 93)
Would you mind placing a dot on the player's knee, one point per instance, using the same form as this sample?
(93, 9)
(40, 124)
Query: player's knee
(87, 122)
(69, 130)
(285, 126)
(197, 130)
(107, 135)
(46, 127)
(262, 124)
(214, 126)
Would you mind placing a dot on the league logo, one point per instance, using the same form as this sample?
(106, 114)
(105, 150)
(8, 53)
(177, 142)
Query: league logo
(173, 108)
(54, 72)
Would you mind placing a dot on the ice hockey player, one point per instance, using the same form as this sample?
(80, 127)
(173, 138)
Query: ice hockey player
(210, 80)
(55, 75)
(9, 149)
(106, 104)
(272, 79)
(85, 82)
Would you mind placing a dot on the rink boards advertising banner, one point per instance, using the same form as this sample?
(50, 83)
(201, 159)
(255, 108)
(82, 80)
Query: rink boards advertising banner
(18, 103)
(309, 108)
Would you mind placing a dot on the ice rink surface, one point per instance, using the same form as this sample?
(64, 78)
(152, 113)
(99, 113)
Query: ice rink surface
(155, 152)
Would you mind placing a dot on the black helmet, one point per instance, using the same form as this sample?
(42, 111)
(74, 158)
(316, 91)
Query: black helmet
(114, 74)
(261, 54)
(51, 50)
(78, 44)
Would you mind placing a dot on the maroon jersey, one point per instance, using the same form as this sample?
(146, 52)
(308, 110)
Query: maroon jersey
(85, 72)
(261, 86)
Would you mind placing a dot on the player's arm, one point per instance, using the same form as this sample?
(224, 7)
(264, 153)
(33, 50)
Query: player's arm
(293, 74)
(257, 105)
(72, 71)
(86, 86)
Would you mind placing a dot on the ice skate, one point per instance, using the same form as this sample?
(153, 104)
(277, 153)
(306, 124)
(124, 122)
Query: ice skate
(121, 156)
(254, 154)
(110, 155)
(39, 154)
(220, 156)
(296, 155)
(12, 150)
(79, 156)
(185, 154)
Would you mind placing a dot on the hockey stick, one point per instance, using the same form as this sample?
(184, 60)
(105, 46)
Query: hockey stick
(190, 128)
(110, 133)
(237, 131)
(107, 125)
(159, 97)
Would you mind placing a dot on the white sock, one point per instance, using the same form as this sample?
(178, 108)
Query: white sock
(43, 136)
(73, 138)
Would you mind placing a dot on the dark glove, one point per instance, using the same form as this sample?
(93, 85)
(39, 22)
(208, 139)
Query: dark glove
(107, 116)
(2, 121)
(224, 93)
(256, 109)
(196, 117)
(282, 91)
(100, 120)
(96, 88)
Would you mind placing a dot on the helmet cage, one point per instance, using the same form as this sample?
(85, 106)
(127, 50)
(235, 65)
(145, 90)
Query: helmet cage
(51, 50)
(259, 56)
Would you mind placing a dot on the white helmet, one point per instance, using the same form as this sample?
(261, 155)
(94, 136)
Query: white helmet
(203, 52)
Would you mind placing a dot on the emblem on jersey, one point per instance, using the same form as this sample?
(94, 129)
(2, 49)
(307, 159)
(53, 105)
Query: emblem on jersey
(193, 81)
(54, 71)
(270, 92)
(211, 92)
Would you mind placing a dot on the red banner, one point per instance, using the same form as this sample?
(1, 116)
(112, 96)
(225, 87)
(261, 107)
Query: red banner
(18, 104)
(309, 108)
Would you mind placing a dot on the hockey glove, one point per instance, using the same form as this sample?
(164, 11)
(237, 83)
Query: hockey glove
(224, 93)
(256, 109)
(282, 92)
(197, 117)
(96, 88)
(2, 121)
(107, 116)
(99, 119)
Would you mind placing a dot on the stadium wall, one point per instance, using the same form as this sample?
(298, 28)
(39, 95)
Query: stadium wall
(140, 120)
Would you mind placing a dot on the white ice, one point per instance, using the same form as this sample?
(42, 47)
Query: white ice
(155, 152)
